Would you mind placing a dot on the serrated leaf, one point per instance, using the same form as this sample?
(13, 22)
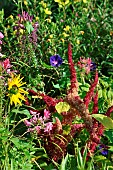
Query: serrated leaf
(106, 121)
(62, 107)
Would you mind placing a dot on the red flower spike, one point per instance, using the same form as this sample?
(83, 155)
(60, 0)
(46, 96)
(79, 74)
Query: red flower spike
(90, 93)
(74, 82)
(95, 107)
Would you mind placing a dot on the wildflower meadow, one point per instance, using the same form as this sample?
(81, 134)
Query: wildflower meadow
(56, 85)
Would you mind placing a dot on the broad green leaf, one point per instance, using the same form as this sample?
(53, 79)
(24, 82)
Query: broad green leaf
(62, 107)
(29, 27)
(106, 121)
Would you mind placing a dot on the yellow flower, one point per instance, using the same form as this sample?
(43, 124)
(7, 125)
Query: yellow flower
(85, 1)
(11, 16)
(43, 4)
(65, 35)
(14, 32)
(21, 31)
(61, 3)
(15, 92)
(25, 3)
(111, 33)
(82, 32)
(48, 20)
(47, 11)
(62, 40)
(51, 36)
(78, 41)
(67, 28)
(37, 18)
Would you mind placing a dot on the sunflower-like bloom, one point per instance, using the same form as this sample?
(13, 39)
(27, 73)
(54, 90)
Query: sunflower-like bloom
(15, 92)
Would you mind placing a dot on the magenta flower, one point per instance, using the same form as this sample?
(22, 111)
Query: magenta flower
(56, 60)
(1, 35)
(6, 64)
(27, 123)
(46, 114)
(48, 127)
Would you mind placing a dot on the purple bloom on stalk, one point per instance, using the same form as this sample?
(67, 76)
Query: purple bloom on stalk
(103, 149)
(56, 60)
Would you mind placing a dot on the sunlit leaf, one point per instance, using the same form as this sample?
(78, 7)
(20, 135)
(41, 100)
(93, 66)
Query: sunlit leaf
(106, 121)
(62, 107)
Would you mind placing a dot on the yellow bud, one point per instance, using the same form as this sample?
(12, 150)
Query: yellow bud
(8, 26)
(25, 3)
(47, 11)
(48, 40)
(82, 32)
(37, 18)
(51, 36)
(67, 28)
(62, 40)
(111, 33)
(65, 35)
(85, 1)
(78, 41)
(14, 32)
(21, 31)
(48, 20)
(11, 16)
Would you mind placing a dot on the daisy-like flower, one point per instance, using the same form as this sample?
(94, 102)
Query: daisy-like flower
(55, 60)
(16, 93)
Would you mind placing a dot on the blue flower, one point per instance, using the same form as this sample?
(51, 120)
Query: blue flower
(56, 60)
(92, 66)
(103, 149)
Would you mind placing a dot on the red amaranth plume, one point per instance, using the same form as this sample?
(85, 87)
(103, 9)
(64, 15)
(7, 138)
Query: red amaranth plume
(95, 107)
(90, 93)
(73, 78)
(109, 111)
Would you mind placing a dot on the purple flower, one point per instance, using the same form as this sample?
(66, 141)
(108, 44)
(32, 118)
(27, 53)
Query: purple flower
(103, 149)
(92, 66)
(55, 60)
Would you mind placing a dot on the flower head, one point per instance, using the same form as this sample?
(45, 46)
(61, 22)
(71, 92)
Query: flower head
(103, 149)
(87, 64)
(56, 60)
(15, 92)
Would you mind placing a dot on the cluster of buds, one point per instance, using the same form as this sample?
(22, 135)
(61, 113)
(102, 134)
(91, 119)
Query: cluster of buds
(25, 20)
(57, 139)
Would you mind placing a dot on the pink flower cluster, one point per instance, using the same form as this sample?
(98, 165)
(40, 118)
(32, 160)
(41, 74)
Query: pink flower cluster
(86, 64)
(7, 66)
(38, 123)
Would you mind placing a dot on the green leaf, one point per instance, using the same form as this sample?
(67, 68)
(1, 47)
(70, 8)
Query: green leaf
(66, 129)
(29, 27)
(64, 163)
(62, 107)
(106, 121)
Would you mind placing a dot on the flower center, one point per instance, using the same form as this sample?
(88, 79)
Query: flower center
(14, 89)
